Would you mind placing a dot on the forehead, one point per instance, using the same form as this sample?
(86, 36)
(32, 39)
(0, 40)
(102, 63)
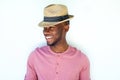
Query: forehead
(55, 26)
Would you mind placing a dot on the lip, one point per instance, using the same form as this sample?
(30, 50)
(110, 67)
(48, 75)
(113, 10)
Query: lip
(48, 38)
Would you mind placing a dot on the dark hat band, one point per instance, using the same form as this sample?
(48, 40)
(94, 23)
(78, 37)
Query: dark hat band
(55, 19)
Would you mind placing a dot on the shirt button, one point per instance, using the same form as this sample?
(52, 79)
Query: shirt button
(56, 72)
(57, 63)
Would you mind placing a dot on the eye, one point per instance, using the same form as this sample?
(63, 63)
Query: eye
(49, 29)
(52, 28)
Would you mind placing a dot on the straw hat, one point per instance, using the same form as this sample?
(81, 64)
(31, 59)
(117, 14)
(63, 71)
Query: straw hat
(55, 14)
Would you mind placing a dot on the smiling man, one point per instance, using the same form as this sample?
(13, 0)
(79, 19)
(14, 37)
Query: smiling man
(57, 60)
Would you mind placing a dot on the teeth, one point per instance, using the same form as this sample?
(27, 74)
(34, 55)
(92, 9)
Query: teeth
(48, 37)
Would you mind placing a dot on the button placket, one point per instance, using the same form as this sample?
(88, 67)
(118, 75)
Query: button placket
(58, 63)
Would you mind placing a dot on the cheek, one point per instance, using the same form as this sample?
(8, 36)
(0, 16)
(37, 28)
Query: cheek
(58, 33)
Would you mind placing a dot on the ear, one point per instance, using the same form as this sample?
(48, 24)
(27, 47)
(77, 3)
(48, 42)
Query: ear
(66, 27)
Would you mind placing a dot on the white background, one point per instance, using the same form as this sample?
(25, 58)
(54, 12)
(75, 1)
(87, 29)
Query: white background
(94, 29)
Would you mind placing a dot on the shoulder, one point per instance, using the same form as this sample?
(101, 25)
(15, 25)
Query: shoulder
(40, 49)
(83, 58)
(37, 51)
(81, 55)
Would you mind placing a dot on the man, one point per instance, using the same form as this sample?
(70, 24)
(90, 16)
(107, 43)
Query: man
(58, 60)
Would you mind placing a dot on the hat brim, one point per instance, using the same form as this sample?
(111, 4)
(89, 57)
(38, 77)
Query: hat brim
(48, 24)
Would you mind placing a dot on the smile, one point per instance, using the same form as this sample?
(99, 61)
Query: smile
(48, 37)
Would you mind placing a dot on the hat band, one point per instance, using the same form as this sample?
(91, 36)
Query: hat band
(55, 19)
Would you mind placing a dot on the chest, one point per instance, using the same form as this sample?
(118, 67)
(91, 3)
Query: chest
(63, 68)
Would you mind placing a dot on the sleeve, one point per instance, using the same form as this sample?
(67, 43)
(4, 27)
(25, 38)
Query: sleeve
(31, 73)
(85, 72)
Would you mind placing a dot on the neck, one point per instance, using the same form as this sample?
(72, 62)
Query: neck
(60, 48)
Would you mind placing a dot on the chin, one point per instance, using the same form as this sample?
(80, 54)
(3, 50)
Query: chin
(49, 44)
(52, 43)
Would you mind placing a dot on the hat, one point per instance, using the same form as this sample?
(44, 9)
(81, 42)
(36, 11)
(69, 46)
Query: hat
(55, 14)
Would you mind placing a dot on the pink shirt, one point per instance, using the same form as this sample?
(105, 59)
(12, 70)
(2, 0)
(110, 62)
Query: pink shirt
(44, 64)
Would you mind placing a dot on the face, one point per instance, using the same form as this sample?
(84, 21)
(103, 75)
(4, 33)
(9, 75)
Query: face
(54, 35)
